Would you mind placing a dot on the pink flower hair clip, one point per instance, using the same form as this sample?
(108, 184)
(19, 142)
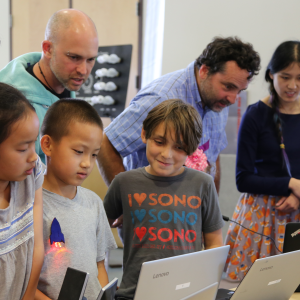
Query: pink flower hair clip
(197, 160)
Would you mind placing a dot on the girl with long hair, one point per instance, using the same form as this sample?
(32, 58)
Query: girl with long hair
(268, 166)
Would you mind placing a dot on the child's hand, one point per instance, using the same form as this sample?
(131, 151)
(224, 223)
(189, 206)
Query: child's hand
(118, 222)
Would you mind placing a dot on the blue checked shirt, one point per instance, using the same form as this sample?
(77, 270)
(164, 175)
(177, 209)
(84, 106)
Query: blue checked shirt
(125, 131)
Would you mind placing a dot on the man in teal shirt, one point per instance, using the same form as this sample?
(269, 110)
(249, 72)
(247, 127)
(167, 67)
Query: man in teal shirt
(68, 56)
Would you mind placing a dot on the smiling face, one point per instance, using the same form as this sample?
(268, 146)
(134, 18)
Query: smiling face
(165, 156)
(220, 90)
(287, 83)
(73, 57)
(17, 152)
(71, 160)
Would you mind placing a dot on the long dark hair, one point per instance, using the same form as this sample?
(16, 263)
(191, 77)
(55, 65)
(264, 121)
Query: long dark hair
(284, 55)
(13, 106)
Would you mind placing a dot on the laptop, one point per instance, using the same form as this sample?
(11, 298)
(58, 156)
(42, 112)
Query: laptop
(180, 276)
(74, 285)
(291, 237)
(108, 292)
(209, 293)
(275, 277)
(292, 240)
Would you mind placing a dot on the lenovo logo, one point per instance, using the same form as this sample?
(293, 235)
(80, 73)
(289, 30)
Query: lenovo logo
(160, 275)
(265, 269)
(295, 233)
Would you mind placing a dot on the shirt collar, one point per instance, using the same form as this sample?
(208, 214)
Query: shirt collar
(193, 83)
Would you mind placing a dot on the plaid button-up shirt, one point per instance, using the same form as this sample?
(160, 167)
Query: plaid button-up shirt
(125, 131)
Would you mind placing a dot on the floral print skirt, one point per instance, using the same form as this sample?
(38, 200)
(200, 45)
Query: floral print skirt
(258, 213)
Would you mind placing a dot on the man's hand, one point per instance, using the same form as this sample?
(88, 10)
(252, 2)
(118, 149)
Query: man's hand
(218, 174)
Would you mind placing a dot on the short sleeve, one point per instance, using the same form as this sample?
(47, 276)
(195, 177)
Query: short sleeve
(211, 213)
(113, 200)
(105, 238)
(125, 131)
(38, 173)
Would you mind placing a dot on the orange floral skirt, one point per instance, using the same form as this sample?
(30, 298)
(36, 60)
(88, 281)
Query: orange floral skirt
(258, 213)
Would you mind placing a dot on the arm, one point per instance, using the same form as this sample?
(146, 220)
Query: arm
(218, 175)
(109, 161)
(38, 251)
(252, 138)
(294, 185)
(113, 205)
(213, 239)
(102, 274)
(40, 296)
(212, 221)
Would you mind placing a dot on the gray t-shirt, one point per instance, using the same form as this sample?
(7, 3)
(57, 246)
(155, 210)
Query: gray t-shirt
(17, 235)
(87, 236)
(163, 217)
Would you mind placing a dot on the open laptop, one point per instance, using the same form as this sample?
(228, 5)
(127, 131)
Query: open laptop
(291, 237)
(180, 276)
(275, 277)
(292, 240)
(209, 293)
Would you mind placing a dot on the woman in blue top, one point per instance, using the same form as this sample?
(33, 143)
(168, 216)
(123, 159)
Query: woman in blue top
(268, 165)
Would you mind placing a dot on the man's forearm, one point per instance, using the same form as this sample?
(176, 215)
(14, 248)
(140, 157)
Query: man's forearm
(218, 175)
(109, 161)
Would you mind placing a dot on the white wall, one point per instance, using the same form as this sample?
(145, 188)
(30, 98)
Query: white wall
(4, 33)
(191, 24)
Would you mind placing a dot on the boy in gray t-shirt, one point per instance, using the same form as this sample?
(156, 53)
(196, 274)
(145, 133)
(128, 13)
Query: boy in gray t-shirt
(166, 207)
(76, 230)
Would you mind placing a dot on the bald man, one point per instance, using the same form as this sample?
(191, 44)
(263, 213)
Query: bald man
(68, 56)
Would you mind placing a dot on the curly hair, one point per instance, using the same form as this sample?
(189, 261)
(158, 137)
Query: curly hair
(221, 50)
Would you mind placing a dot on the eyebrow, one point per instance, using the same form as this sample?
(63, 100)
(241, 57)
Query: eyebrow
(158, 136)
(27, 142)
(80, 56)
(236, 86)
(232, 84)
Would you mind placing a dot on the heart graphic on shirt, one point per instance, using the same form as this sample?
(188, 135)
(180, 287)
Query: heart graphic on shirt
(140, 232)
(140, 214)
(139, 198)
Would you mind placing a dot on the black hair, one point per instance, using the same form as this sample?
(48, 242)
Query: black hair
(61, 113)
(285, 54)
(222, 50)
(13, 107)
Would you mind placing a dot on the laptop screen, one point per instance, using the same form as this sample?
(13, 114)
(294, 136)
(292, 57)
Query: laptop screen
(291, 237)
(180, 276)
